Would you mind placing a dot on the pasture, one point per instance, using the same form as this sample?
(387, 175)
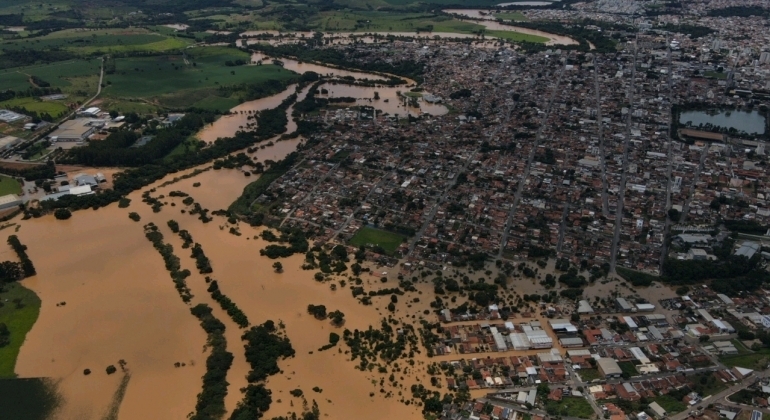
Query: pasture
(202, 70)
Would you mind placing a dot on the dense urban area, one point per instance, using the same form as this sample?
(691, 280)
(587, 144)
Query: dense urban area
(538, 210)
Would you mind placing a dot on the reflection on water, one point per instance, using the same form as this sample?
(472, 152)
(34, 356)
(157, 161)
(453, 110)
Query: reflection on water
(751, 122)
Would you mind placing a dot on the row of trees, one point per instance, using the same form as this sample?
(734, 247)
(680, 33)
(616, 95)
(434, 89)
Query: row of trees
(211, 400)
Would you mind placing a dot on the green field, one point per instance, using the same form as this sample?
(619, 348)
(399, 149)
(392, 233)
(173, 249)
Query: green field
(27, 398)
(100, 41)
(670, 404)
(756, 361)
(514, 16)
(389, 241)
(59, 74)
(516, 36)
(53, 108)
(570, 406)
(19, 320)
(9, 185)
(383, 21)
(628, 367)
(205, 68)
(588, 375)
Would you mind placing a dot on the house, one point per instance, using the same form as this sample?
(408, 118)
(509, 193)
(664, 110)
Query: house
(657, 409)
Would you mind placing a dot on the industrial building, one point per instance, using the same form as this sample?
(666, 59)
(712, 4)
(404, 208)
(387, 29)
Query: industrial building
(10, 116)
(561, 325)
(538, 339)
(8, 142)
(9, 201)
(520, 341)
(622, 305)
(73, 130)
(584, 307)
(571, 342)
(608, 367)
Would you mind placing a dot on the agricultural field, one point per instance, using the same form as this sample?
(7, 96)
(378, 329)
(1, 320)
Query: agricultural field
(514, 16)
(88, 41)
(182, 81)
(382, 21)
(389, 241)
(19, 318)
(9, 185)
(53, 108)
(58, 75)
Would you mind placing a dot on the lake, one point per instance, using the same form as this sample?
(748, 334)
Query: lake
(751, 122)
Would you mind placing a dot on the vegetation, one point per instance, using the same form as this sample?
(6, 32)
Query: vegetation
(28, 398)
(211, 400)
(18, 314)
(62, 214)
(235, 313)
(264, 347)
(172, 261)
(21, 250)
(9, 185)
(570, 406)
(388, 241)
(133, 215)
(636, 278)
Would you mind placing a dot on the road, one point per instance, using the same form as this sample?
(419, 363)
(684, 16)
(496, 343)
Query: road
(49, 129)
(667, 227)
(602, 152)
(309, 194)
(530, 159)
(721, 395)
(701, 164)
(562, 225)
(623, 176)
(434, 209)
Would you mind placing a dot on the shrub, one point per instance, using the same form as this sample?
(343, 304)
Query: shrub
(134, 216)
(62, 214)
(111, 369)
(87, 372)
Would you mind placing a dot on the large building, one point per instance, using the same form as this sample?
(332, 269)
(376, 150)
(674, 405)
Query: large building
(73, 130)
(9, 201)
(609, 368)
(10, 116)
(560, 325)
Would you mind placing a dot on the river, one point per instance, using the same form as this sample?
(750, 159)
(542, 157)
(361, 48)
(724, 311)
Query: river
(490, 22)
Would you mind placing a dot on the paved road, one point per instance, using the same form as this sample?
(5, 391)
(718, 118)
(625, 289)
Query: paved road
(432, 213)
(562, 225)
(530, 159)
(603, 160)
(701, 164)
(623, 176)
(667, 227)
(719, 396)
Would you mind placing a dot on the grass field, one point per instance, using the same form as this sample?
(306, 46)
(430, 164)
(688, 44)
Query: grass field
(670, 404)
(154, 76)
(756, 361)
(19, 321)
(59, 74)
(383, 21)
(104, 40)
(514, 16)
(516, 36)
(53, 108)
(588, 375)
(570, 406)
(628, 367)
(9, 185)
(389, 241)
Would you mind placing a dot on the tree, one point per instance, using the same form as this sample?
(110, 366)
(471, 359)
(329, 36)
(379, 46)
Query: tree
(62, 214)
(278, 267)
(673, 214)
(337, 317)
(318, 311)
(111, 369)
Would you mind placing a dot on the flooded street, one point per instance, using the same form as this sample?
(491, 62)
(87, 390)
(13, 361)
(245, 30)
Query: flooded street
(390, 101)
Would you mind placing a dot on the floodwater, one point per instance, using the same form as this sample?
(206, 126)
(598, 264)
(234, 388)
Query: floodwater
(120, 304)
(228, 125)
(489, 21)
(395, 102)
(752, 122)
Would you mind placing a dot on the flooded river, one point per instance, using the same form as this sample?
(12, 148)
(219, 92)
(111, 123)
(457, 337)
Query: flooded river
(490, 22)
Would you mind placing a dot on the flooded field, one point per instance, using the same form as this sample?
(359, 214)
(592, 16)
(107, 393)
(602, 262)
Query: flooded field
(490, 22)
(390, 101)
